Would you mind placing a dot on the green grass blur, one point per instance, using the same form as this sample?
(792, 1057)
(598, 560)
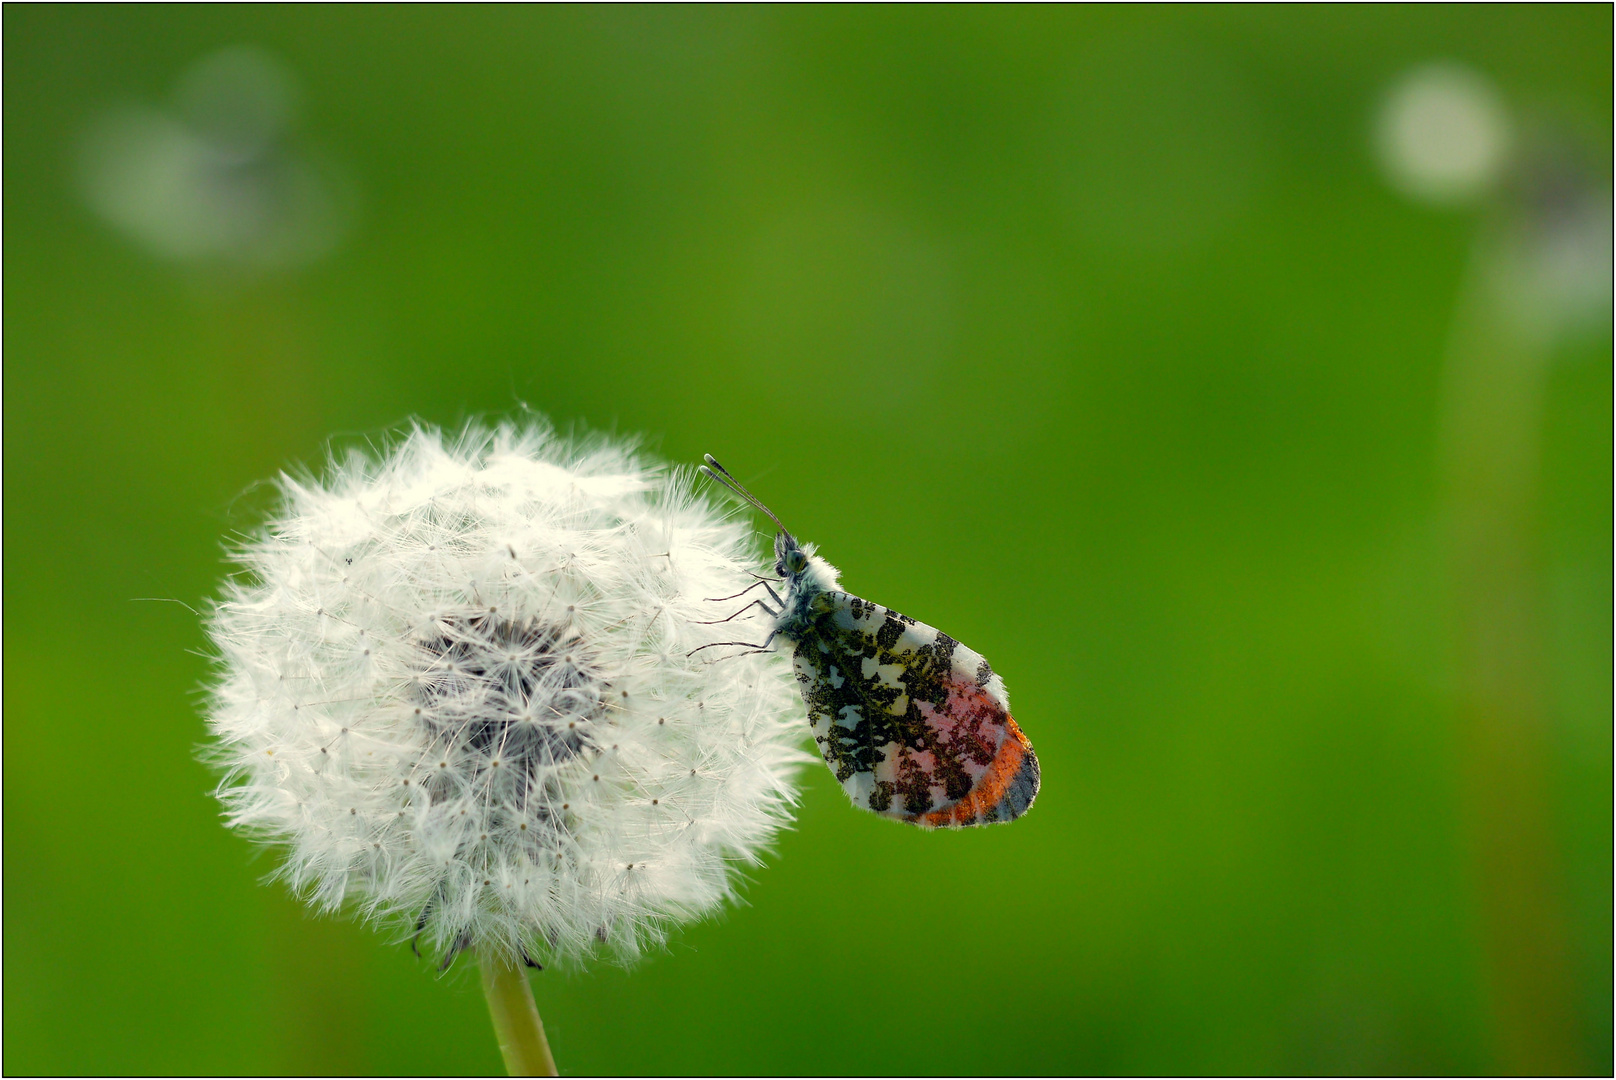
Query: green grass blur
(1094, 336)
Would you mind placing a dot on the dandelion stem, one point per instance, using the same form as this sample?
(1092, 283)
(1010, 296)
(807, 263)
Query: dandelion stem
(1491, 435)
(516, 1019)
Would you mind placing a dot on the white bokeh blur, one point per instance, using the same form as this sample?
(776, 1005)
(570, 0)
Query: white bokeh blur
(1443, 135)
(220, 177)
(1446, 137)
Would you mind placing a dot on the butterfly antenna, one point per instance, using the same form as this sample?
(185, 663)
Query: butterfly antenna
(717, 472)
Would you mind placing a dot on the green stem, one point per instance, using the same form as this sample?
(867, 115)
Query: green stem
(1491, 433)
(516, 1019)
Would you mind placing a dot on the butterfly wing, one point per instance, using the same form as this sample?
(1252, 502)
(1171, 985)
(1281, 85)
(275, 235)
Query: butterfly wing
(914, 725)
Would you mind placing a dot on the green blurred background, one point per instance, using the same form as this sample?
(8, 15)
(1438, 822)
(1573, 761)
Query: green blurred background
(1277, 485)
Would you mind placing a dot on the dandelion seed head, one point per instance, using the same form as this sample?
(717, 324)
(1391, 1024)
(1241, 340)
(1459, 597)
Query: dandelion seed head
(455, 687)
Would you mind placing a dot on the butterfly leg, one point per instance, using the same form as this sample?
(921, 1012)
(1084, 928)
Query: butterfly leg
(748, 607)
(744, 644)
(760, 581)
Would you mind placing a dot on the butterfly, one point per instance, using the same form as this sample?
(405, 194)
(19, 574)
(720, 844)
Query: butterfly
(915, 726)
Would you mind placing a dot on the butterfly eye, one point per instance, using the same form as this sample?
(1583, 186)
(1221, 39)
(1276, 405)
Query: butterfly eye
(795, 561)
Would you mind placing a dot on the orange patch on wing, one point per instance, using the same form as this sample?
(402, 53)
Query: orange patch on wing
(991, 788)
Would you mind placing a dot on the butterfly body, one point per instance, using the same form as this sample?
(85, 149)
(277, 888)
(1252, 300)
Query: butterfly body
(914, 725)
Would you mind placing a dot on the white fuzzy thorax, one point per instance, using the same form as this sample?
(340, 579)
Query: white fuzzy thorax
(455, 687)
(820, 576)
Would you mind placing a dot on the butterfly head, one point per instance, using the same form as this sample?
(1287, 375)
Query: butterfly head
(803, 570)
(790, 559)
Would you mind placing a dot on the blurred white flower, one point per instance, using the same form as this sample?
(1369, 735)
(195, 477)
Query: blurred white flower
(221, 177)
(456, 686)
(1443, 134)
(1446, 137)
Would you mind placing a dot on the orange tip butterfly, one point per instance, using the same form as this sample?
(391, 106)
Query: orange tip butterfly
(915, 726)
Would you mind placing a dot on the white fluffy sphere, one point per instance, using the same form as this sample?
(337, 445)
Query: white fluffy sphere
(456, 687)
